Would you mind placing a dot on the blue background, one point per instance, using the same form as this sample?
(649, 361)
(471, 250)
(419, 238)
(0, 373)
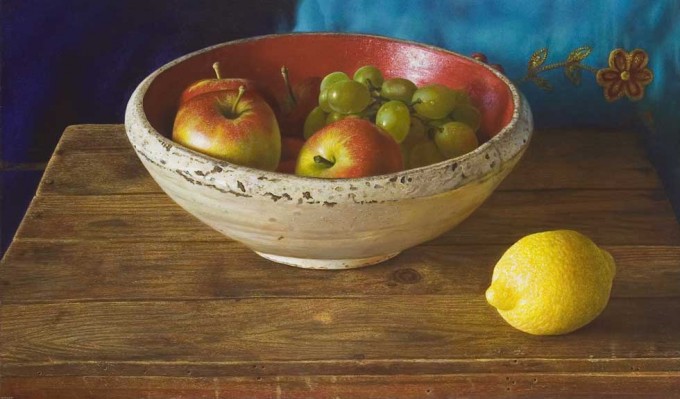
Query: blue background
(76, 61)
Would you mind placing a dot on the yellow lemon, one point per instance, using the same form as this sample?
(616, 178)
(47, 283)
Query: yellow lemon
(551, 283)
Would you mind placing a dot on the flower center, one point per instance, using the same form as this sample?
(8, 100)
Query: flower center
(625, 75)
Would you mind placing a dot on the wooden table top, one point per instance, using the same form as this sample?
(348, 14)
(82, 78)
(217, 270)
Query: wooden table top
(111, 290)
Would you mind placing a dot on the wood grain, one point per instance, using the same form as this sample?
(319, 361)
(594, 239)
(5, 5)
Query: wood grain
(609, 217)
(93, 139)
(648, 385)
(82, 173)
(230, 332)
(117, 271)
(583, 159)
(96, 160)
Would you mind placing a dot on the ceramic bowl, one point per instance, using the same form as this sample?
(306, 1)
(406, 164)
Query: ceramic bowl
(328, 223)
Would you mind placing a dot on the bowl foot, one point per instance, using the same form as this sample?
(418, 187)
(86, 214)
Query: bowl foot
(327, 264)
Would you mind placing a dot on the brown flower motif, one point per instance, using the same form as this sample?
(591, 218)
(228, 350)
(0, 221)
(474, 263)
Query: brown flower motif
(627, 75)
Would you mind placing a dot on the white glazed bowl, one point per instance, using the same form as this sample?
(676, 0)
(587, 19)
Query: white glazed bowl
(328, 223)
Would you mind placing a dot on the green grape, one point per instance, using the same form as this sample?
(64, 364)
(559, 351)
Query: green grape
(370, 111)
(370, 76)
(439, 122)
(416, 134)
(394, 117)
(417, 131)
(398, 89)
(314, 121)
(336, 116)
(323, 101)
(433, 101)
(469, 115)
(433, 126)
(333, 117)
(348, 97)
(423, 154)
(455, 139)
(332, 78)
(462, 98)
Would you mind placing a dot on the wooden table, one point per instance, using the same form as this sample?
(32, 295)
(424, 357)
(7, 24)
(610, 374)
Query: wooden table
(110, 290)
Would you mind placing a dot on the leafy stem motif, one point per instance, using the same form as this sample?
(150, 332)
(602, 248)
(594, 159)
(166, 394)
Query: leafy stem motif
(572, 67)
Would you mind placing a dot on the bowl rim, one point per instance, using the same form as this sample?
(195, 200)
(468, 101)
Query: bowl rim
(139, 130)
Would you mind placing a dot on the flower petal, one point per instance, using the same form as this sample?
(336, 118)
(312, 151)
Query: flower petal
(634, 90)
(607, 75)
(643, 76)
(638, 59)
(614, 91)
(618, 60)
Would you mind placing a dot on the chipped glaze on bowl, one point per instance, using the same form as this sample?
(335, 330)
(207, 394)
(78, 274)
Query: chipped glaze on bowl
(328, 223)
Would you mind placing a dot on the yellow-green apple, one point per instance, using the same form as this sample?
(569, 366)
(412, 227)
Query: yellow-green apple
(236, 126)
(295, 103)
(350, 147)
(290, 148)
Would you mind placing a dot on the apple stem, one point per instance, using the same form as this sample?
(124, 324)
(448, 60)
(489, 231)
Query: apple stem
(216, 68)
(322, 160)
(289, 88)
(241, 90)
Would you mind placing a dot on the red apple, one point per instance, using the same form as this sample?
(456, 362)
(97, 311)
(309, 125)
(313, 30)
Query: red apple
(220, 83)
(236, 126)
(290, 148)
(296, 102)
(347, 148)
(208, 85)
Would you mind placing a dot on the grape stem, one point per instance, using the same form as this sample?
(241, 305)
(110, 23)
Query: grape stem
(323, 161)
(371, 86)
(411, 107)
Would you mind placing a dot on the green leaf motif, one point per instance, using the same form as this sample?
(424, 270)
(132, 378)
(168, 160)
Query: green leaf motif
(579, 54)
(538, 58)
(542, 83)
(573, 73)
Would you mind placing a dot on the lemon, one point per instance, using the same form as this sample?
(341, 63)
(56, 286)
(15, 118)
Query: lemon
(552, 282)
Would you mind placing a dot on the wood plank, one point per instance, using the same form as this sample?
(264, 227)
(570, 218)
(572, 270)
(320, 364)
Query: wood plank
(93, 139)
(98, 160)
(264, 368)
(148, 217)
(228, 333)
(103, 270)
(648, 385)
(583, 159)
(84, 173)
(609, 217)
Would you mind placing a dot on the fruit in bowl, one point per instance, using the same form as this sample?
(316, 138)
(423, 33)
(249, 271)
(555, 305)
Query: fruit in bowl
(234, 125)
(295, 103)
(348, 148)
(218, 83)
(409, 114)
(331, 223)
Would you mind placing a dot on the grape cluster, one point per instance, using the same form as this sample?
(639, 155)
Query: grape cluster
(432, 123)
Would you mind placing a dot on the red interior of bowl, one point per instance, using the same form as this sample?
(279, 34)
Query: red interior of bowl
(307, 55)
